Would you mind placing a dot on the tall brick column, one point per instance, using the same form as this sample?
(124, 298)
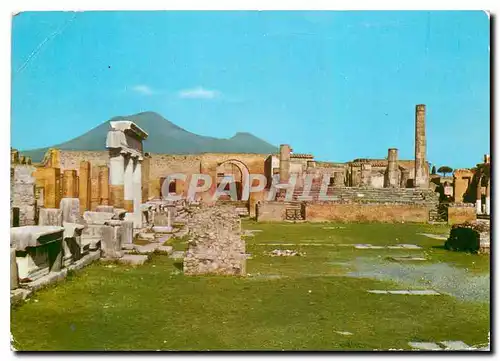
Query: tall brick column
(392, 172)
(366, 174)
(478, 195)
(84, 186)
(421, 169)
(94, 187)
(70, 184)
(103, 185)
(284, 163)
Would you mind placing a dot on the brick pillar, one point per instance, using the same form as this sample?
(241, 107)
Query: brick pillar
(145, 178)
(284, 163)
(421, 169)
(94, 188)
(392, 172)
(338, 179)
(366, 175)
(478, 195)
(49, 179)
(488, 197)
(104, 185)
(69, 186)
(14, 157)
(84, 186)
(405, 176)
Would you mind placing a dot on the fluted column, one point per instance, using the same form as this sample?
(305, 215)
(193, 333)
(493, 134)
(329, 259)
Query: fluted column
(137, 192)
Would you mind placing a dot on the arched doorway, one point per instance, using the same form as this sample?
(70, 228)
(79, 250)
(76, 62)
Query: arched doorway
(238, 174)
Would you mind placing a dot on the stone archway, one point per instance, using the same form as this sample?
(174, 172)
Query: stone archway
(240, 175)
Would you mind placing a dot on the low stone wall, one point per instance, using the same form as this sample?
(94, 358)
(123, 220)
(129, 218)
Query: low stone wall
(358, 212)
(461, 213)
(345, 212)
(23, 194)
(216, 246)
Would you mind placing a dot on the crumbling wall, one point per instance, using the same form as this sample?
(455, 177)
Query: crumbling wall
(461, 213)
(23, 194)
(215, 245)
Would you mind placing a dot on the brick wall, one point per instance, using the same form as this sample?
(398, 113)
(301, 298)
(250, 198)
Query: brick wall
(460, 213)
(70, 159)
(369, 212)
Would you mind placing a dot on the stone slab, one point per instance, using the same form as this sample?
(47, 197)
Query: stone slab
(48, 279)
(178, 254)
(434, 236)
(166, 249)
(162, 229)
(32, 236)
(103, 208)
(406, 292)
(455, 345)
(133, 259)
(428, 346)
(408, 259)
(71, 210)
(18, 295)
(147, 248)
(98, 218)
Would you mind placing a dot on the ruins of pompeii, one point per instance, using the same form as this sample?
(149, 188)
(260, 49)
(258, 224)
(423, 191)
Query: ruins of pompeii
(103, 257)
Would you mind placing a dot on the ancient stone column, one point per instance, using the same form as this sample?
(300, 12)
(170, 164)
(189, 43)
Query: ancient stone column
(94, 187)
(116, 178)
(366, 174)
(392, 172)
(70, 184)
(421, 170)
(84, 186)
(488, 197)
(478, 196)
(128, 182)
(137, 192)
(405, 175)
(103, 185)
(284, 163)
(487, 158)
(338, 179)
(14, 157)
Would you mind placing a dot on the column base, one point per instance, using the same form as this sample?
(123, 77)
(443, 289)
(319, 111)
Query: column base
(117, 192)
(128, 205)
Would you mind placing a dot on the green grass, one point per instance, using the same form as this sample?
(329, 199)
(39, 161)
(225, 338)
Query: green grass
(156, 307)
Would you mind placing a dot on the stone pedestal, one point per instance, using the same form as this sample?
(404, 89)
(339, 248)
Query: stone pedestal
(71, 210)
(112, 240)
(14, 276)
(50, 217)
(72, 244)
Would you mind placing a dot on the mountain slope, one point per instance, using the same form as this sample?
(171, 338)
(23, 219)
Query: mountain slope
(164, 137)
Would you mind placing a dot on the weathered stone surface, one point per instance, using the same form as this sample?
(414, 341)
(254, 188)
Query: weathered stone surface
(147, 248)
(72, 245)
(428, 346)
(23, 193)
(18, 295)
(166, 249)
(127, 232)
(134, 259)
(97, 217)
(112, 242)
(119, 213)
(33, 236)
(107, 209)
(162, 229)
(14, 275)
(71, 210)
(216, 245)
(50, 217)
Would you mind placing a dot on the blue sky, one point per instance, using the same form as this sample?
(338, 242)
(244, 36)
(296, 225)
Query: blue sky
(339, 85)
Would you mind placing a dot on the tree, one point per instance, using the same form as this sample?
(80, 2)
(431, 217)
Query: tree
(445, 169)
(433, 169)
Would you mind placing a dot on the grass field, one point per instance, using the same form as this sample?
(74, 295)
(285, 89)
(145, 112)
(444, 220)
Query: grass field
(285, 303)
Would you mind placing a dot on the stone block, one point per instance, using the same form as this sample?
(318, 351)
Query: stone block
(14, 276)
(147, 248)
(72, 244)
(97, 218)
(50, 217)
(133, 259)
(103, 208)
(127, 232)
(71, 210)
(111, 242)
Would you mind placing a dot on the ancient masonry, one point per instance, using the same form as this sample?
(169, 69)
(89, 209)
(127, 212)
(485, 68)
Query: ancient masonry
(421, 169)
(215, 245)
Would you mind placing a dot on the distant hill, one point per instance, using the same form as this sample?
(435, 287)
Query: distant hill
(164, 137)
